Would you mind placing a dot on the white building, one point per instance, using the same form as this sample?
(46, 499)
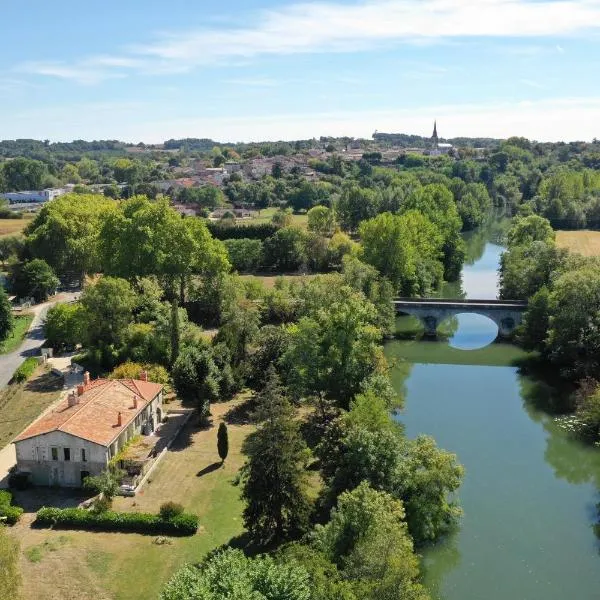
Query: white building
(87, 429)
(35, 196)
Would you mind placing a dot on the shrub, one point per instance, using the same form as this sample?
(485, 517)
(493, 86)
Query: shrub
(25, 371)
(168, 510)
(255, 231)
(133, 370)
(8, 514)
(78, 518)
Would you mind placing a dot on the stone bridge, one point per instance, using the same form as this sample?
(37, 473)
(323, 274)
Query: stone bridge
(507, 314)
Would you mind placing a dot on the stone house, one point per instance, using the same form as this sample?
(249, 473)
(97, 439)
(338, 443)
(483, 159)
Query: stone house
(80, 435)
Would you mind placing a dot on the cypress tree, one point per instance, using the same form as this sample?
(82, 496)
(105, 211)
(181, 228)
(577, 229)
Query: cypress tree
(223, 442)
(277, 506)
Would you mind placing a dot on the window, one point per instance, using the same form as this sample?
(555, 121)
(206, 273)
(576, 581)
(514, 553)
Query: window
(54, 452)
(67, 452)
(83, 456)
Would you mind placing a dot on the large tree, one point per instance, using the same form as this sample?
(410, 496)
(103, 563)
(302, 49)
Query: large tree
(6, 316)
(367, 538)
(35, 278)
(65, 233)
(274, 478)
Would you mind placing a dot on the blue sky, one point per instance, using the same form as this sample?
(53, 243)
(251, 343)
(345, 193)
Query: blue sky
(264, 69)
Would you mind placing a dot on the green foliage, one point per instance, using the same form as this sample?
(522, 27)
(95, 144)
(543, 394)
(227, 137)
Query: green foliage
(207, 196)
(9, 514)
(21, 174)
(255, 231)
(10, 575)
(131, 370)
(66, 234)
(285, 250)
(196, 377)
(107, 311)
(35, 278)
(355, 205)
(274, 479)
(526, 230)
(228, 574)
(169, 510)
(368, 539)
(25, 370)
(321, 219)
(222, 442)
(107, 483)
(125, 522)
(245, 255)
(334, 346)
(7, 320)
(64, 325)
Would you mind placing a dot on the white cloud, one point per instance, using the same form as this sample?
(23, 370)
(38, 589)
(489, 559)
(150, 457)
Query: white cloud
(336, 27)
(545, 120)
(253, 81)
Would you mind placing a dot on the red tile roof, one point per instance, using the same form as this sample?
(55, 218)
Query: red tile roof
(96, 414)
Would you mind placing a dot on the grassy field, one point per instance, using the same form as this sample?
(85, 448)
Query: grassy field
(21, 403)
(112, 566)
(13, 226)
(13, 341)
(266, 215)
(582, 242)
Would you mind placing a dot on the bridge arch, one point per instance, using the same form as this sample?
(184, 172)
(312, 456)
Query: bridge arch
(506, 314)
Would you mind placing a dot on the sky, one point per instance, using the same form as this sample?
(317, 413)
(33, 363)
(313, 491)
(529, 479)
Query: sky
(251, 70)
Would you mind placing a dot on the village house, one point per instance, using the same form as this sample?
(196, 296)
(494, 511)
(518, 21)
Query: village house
(87, 429)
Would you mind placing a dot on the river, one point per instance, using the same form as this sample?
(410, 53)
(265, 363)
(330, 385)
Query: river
(530, 489)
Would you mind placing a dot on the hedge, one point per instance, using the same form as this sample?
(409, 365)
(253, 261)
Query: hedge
(25, 371)
(78, 518)
(254, 231)
(8, 514)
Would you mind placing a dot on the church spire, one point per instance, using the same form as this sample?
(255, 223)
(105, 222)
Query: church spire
(434, 137)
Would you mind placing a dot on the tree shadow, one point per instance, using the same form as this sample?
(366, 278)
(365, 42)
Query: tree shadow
(241, 414)
(45, 383)
(209, 469)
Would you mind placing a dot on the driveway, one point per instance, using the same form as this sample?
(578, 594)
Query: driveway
(33, 341)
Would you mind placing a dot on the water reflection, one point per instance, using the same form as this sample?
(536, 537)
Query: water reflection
(473, 331)
(530, 490)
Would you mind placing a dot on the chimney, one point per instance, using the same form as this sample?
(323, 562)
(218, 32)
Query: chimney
(119, 420)
(80, 389)
(144, 375)
(135, 401)
(73, 399)
(86, 378)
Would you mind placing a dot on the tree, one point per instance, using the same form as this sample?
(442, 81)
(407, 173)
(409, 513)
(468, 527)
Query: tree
(64, 325)
(10, 576)
(307, 195)
(207, 196)
(274, 479)
(244, 254)
(285, 250)
(356, 204)
(228, 575)
(574, 333)
(107, 484)
(321, 220)
(21, 174)
(526, 230)
(6, 316)
(10, 245)
(222, 442)
(65, 233)
(333, 347)
(107, 311)
(404, 248)
(35, 278)
(368, 539)
(196, 377)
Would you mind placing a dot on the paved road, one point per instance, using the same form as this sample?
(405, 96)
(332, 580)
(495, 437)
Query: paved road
(33, 341)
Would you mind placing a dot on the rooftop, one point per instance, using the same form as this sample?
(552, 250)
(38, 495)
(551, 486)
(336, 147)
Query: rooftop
(94, 416)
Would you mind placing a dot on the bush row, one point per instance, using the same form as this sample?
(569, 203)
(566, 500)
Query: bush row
(8, 514)
(25, 371)
(78, 518)
(254, 231)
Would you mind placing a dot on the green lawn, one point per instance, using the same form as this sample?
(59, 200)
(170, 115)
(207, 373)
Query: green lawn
(13, 341)
(267, 214)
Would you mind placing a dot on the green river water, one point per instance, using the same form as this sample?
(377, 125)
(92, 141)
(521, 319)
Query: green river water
(530, 490)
